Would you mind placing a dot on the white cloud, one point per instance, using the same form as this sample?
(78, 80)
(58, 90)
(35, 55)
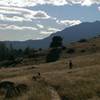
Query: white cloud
(99, 8)
(68, 22)
(40, 26)
(39, 38)
(15, 27)
(24, 3)
(53, 29)
(21, 14)
(84, 2)
(49, 31)
(13, 18)
(46, 32)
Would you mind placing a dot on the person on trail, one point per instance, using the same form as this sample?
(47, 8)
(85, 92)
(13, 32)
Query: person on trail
(39, 74)
(70, 64)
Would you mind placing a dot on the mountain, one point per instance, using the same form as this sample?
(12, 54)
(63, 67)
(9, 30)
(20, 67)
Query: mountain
(74, 33)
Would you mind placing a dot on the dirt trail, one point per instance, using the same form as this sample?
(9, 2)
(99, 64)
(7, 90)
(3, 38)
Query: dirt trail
(54, 94)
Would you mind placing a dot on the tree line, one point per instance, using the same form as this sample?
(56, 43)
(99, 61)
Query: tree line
(8, 53)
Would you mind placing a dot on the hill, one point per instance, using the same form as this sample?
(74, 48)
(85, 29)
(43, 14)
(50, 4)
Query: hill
(55, 81)
(74, 33)
(38, 56)
(81, 82)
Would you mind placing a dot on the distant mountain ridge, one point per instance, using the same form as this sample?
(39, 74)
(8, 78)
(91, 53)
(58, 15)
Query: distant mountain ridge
(71, 34)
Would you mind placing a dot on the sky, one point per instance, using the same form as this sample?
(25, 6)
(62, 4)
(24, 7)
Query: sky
(36, 19)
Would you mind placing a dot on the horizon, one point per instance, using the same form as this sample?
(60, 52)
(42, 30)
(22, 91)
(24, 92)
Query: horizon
(22, 20)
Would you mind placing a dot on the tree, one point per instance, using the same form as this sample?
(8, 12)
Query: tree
(53, 55)
(27, 51)
(71, 50)
(30, 53)
(3, 51)
(56, 42)
(12, 53)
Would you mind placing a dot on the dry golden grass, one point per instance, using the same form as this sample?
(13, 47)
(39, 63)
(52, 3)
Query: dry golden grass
(80, 83)
(37, 89)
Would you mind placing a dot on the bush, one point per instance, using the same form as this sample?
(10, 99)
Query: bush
(53, 55)
(71, 50)
(82, 40)
(10, 89)
(64, 48)
(83, 51)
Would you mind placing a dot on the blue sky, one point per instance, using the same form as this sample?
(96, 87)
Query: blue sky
(37, 19)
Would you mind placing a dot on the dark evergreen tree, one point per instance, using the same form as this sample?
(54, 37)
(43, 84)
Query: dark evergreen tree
(3, 51)
(53, 55)
(56, 42)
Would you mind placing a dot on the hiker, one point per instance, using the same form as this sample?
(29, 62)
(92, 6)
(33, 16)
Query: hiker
(39, 74)
(70, 64)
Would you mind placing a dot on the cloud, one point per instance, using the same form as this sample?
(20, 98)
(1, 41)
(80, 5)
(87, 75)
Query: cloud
(49, 31)
(68, 22)
(21, 14)
(25, 3)
(53, 29)
(40, 15)
(15, 27)
(99, 8)
(13, 18)
(40, 26)
(82, 2)
(39, 38)
(46, 32)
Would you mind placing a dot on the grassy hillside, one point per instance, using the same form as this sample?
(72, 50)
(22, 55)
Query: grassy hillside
(80, 83)
(56, 80)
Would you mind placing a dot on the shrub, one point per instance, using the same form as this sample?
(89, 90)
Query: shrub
(82, 40)
(64, 48)
(71, 50)
(82, 50)
(10, 89)
(53, 55)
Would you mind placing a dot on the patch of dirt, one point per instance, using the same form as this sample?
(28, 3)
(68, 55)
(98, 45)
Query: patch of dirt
(54, 94)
